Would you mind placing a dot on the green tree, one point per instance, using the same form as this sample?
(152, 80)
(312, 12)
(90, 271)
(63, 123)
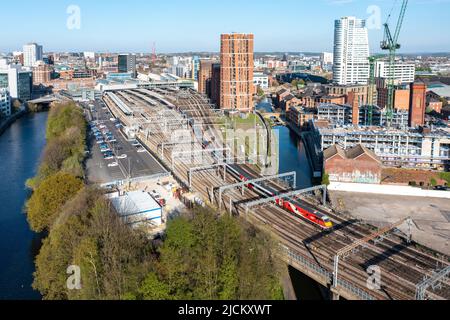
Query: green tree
(211, 257)
(445, 176)
(112, 257)
(433, 182)
(326, 179)
(154, 289)
(48, 199)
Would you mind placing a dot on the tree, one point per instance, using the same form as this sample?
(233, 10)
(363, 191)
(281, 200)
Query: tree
(46, 201)
(326, 179)
(210, 257)
(260, 92)
(16, 105)
(433, 182)
(112, 257)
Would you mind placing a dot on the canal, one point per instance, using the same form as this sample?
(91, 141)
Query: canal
(293, 157)
(20, 149)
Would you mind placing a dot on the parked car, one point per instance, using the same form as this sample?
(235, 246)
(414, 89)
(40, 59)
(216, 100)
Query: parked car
(155, 194)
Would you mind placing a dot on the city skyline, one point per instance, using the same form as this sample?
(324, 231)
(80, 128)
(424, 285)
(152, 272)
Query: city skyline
(102, 27)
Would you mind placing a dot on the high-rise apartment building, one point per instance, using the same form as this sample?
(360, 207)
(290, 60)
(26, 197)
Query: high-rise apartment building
(418, 104)
(32, 53)
(236, 71)
(326, 58)
(351, 52)
(127, 64)
(195, 67)
(204, 76)
(215, 84)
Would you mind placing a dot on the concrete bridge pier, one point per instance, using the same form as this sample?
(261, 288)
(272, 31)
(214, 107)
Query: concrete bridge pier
(288, 288)
(334, 295)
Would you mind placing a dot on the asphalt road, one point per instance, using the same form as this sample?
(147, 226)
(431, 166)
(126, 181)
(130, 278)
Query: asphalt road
(135, 165)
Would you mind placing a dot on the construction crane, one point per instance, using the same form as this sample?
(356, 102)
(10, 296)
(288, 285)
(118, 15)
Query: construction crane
(391, 44)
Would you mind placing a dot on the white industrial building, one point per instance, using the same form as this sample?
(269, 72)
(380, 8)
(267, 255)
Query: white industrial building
(89, 55)
(403, 72)
(351, 52)
(260, 79)
(137, 208)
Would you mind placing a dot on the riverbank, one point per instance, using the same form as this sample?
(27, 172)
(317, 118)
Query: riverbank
(13, 118)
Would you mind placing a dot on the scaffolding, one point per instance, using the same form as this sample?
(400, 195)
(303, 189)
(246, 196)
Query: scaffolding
(204, 168)
(435, 282)
(287, 195)
(177, 155)
(252, 182)
(353, 248)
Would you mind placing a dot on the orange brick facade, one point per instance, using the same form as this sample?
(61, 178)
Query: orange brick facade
(236, 72)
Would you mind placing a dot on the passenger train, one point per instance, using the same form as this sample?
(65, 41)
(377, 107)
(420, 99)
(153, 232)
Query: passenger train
(298, 209)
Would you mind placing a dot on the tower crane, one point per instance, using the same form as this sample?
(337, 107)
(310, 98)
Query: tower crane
(390, 43)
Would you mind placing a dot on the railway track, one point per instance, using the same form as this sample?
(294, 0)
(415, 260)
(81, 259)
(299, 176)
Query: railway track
(403, 266)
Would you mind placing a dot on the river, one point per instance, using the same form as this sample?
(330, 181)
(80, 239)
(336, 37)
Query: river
(20, 149)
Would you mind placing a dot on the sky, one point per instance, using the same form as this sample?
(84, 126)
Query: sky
(196, 25)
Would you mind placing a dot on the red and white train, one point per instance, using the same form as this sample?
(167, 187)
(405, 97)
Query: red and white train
(301, 210)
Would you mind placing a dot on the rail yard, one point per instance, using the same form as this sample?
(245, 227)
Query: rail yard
(154, 116)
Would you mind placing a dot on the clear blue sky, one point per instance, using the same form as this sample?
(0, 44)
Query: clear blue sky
(195, 25)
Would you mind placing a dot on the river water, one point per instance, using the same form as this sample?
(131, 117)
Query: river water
(20, 149)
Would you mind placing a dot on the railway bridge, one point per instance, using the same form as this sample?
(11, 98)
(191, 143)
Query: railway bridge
(354, 260)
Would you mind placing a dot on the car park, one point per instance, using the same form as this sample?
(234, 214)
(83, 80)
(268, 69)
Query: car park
(154, 194)
(108, 155)
(135, 143)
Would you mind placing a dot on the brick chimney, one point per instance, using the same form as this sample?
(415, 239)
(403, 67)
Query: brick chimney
(353, 102)
(417, 104)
